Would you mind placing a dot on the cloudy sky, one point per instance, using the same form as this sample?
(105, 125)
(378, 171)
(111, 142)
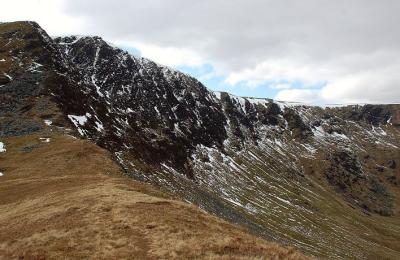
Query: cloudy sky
(317, 51)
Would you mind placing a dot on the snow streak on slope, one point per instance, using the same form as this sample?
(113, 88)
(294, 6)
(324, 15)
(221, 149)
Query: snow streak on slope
(324, 180)
(248, 160)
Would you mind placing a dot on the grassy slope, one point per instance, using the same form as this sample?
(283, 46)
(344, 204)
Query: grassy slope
(306, 212)
(67, 198)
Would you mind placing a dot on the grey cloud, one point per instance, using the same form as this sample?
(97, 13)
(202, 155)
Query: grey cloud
(343, 37)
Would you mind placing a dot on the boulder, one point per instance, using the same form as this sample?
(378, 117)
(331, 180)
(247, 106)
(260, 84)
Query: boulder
(392, 164)
(4, 79)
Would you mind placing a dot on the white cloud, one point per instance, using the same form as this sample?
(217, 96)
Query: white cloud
(300, 95)
(373, 86)
(280, 70)
(169, 56)
(280, 86)
(48, 13)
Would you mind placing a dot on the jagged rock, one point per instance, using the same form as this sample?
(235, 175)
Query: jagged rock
(395, 117)
(373, 114)
(326, 116)
(380, 168)
(348, 162)
(316, 123)
(296, 124)
(269, 115)
(3, 79)
(20, 127)
(331, 129)
(392, 164)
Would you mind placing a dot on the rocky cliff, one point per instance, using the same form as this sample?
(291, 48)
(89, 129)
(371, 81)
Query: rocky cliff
(321, 179)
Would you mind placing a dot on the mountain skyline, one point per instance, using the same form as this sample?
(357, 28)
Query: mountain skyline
(314, 52)
(322, 180)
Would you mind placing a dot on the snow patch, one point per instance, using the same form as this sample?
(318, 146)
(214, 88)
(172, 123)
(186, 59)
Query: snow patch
(8, 76)
(34, 66)
(340, 136)
(311, 149)
(93, 77)
(156, 109)
(285, 104)
(77, 38)
(78, 121)
(48, 122)
(2, 147)
(284, 201)
(44, 140)
(217, 95)
(99, 126)
(259, 101)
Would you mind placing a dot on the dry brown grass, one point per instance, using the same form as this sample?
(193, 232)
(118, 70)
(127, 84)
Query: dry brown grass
(67, 199)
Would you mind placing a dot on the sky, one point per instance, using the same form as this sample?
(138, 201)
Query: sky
(313, 51)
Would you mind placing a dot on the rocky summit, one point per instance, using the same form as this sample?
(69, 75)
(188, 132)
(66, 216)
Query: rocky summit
(325, 180)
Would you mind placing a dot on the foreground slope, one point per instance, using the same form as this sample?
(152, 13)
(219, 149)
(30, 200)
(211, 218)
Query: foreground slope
(63, 197)
(326, 181)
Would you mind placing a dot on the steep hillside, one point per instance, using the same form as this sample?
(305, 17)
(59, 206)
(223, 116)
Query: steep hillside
(61, 197)
(326, 181)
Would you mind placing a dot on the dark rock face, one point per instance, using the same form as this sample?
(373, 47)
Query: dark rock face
(345, 170)
(345, 173)
(159, 113)
(373, 114)
(392, 164)
(395, 119)
(380, 168)
(25, 96)
(235, 115)
(333, 125)
(269, 115)
(244, 117)
(296, 124)
(19, 127)
(3, 79)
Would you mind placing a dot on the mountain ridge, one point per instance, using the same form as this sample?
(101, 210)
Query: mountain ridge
(293, 174)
